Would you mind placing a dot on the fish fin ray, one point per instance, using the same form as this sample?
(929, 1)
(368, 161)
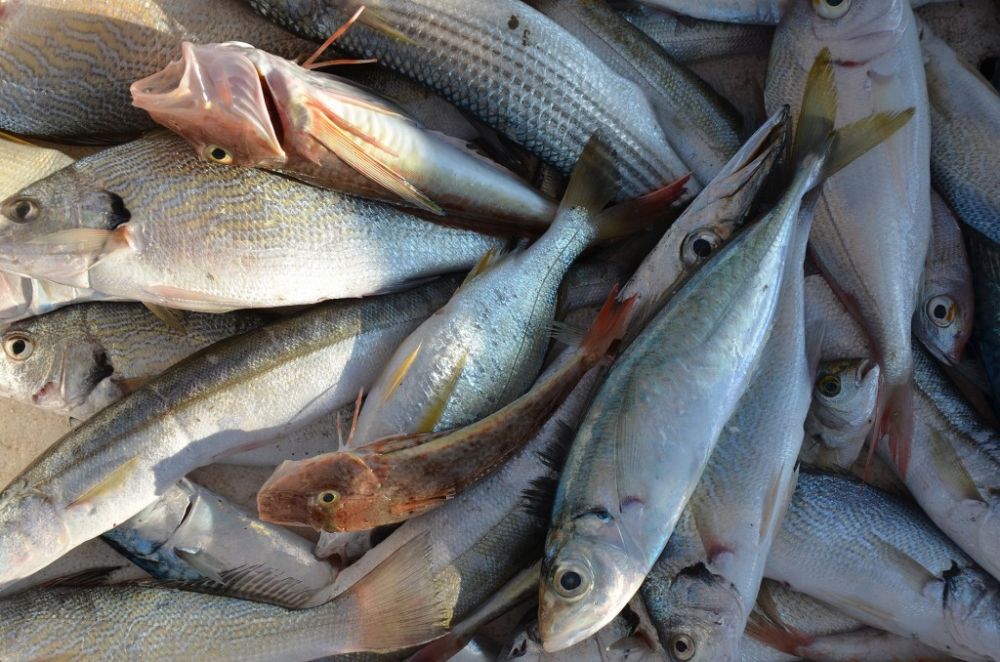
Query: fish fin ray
(397, 376)
(439, 402)
(110, 483)
(172, 317)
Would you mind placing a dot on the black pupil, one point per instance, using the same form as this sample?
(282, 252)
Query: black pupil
(218, 154)
(940, 311)
(680, 646)
(22, 209)
(702, 248)
(18, 347)
(831, 387)
(834, 3)
(570, 581)
(328, 498)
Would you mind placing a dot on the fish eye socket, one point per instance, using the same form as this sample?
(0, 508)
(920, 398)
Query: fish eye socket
(942, 311)
(829, 386)
(832, 8)
(699, 246)
(18, 346)
(682, 647)
(20, 210)
(571, 582)
(217, 154)
(328, 497)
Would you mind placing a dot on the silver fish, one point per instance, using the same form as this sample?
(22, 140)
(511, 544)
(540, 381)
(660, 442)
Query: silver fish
(841, 414)
(689, 40)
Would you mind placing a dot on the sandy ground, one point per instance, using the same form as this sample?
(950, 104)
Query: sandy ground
(24, 433)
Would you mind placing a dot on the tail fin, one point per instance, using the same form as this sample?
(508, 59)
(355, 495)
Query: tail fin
(594, 181)
(642, 213)
(609, 325)
(897, 422)
(766, 626)
(397, 605)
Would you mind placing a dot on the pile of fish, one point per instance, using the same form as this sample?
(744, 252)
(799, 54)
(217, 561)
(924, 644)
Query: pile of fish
(498, 329)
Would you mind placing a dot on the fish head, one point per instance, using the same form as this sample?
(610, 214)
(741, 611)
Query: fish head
(51, 362)
(706, 618)
(60, 226)
(943, 318)
(842, 411)
(857, 32)
(214, 98)
(331, 492)
(971, 603)
(32, 532)
(587, 578)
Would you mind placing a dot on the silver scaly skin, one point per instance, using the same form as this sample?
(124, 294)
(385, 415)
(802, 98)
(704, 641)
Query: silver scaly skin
(79, 359)
(509, 66)
(690, 40)
(237, 394)
(188, 234)
(73, 60)
(840, 539)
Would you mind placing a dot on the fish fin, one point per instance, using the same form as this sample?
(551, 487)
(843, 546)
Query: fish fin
(399, 604)
(397, 376)
(634, 642)
(769, 629)
(172, 317)
(489, 260)
(554, 455)
(80, 240)
(336, 135)
(642, 213)
(779, 495)
(9, 137)
(376, 22)
(441, 649)
(206, 565)
(412, 507)
(853, 140)
(567, 334)
(538, 497)
(111, 482)
(397, 443)
(609, 325)
(897, 422)
(257, 583)
(594, 181)
(180, 296)
(310, 62)
(949, 466)
(439, 402)
(83, 579)
(912, 570)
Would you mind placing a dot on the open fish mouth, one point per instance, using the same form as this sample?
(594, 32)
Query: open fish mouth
(214, 97)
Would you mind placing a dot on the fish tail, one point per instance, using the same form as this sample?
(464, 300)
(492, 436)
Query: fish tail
(773, 632)
(897, 422)
(399, 604)
(642, 213)
(594, 181)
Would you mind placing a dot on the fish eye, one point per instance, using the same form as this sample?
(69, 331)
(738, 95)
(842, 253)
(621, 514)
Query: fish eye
(328, 497)
(829, 385)
(217, 154)
(18, 346)
(832, 8)
(572, 581)
(682, 647)
(699, 246)
(20, 210)
(942, 311)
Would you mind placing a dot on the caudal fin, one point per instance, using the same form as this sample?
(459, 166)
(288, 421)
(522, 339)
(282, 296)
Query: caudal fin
(897, 423)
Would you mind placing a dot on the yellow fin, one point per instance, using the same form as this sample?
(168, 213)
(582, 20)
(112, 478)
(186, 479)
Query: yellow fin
(436, 410)
(172, 317)
(855, 139)
(400, 373)
(819, 108)
(485, 263)
(111, 482)
(9, 137)
(376, 22)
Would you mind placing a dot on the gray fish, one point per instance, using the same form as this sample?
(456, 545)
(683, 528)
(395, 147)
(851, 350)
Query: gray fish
(688, 40)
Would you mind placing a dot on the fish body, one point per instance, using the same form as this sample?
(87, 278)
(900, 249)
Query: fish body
(231, 102)
(73, 60)
(76, 360)
(190, 235)
(235, 395)
(509, 66)
(689, 40)
(839, 539)
(875, 267)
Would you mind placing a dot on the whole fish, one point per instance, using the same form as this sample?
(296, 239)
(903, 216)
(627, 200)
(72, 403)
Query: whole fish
(235, 395)
(984, 259)
(187, 234)
(399, 604)
(646, 439)
(700, 590)
(839, 540)
(700, 125)
(73, 60)
(77, 360)
(841, 414)
(787, 625)
(965, 117)
(398, 477)
(688, 40)
(875, 268)
(232, 102)
(943, 318)
(534, 82)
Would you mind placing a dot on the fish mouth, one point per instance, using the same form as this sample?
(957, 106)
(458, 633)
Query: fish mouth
(214, 95)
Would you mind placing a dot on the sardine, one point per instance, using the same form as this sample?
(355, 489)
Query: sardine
(65, 65)
(688, 40)
(875, 268)
(232, 102)
(235, 395)
(511, 67)
(77, 360)
(646, 439)
(187, 234)
(841, 414)
(840, 539)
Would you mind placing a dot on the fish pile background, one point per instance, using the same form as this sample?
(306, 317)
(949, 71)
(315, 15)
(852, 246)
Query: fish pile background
(492, 330)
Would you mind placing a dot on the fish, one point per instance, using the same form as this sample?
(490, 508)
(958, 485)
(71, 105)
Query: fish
(96, 225)
(690, 40)
(232, 101)
(700, 590)
(755, 12)
(875, 268)
(398, 477)
(984, 260)
(944, 314)
(701, 126)
(787, 625)
(230, 397)
(839, 539)
(398, 605)
(517, 85)
(646, 439)
(77, 360)
(77, 82)
(842, 413)
(965, 119)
